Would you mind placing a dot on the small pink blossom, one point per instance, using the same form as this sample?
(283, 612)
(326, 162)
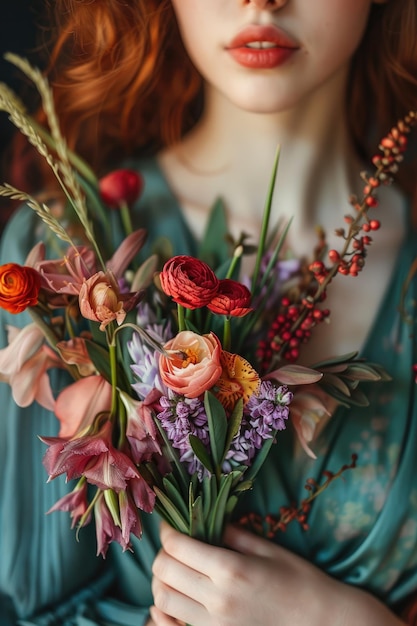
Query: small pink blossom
(100, 300)
(24, 364)
(92, 456)
(141, 431)
(74, 352)
(76, 503)
(79, 403)
(65, 275)
(193, 365)
(106, 529)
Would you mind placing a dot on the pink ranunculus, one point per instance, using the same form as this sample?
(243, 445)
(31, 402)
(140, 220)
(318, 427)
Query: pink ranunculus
(122, 186)
(232, 298)
(79, 403)
(193, 365)
(100, 300)
(189, 281)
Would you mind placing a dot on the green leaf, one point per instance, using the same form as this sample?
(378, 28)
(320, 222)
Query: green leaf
(217, 424)
(259, 459)
(234, 423)
(197, 525)
(218, 512)
(201, 453)
(173, 492)
(209, 486)
(295, 375)
(169, 511)
(172, 456)
(214, 248)
(338, 383)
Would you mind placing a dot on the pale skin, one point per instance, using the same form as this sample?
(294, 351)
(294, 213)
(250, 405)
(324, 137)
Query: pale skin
(299, 106)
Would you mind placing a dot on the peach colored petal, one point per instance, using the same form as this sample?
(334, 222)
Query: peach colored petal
(31, 382)
(79, 403)
(23, 344)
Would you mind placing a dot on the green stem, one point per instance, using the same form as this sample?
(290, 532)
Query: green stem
(227, 334)
(265, 222)
(113, 373)
(126, 218)
(181, 317)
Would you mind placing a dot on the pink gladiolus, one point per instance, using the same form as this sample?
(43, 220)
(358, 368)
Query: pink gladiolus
(92, 456)
(141, 431)
(142, 494)
(66, 275)
(76, 503)
(74, 352)
(106, 530)
(129, 518)
(193, 365)
(24, 364)
(78, 404)
(100, 300)
(126, 252)
(307, 410)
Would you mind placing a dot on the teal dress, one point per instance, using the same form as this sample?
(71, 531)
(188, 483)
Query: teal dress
(362, 529)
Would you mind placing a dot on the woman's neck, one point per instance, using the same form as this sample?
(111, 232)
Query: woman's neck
(231, 153)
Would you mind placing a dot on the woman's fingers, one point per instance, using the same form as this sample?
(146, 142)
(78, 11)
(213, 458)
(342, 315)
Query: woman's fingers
(179, 576)
(172, 603)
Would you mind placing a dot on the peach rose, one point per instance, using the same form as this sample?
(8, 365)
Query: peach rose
(19, 287)
(193, 366)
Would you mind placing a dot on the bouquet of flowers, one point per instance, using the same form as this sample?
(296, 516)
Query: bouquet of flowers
(180, 374)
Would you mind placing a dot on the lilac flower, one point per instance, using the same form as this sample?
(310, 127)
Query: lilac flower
(145, 358)
(265, 413)
(181, 417)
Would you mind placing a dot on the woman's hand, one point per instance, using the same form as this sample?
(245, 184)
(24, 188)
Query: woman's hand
(252, 581)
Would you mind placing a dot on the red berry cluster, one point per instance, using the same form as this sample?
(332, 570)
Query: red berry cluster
(290, 328)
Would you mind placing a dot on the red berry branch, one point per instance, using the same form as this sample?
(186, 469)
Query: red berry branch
(300, 310)
(270, 525)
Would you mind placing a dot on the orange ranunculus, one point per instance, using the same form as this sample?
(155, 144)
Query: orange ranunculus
(193, 366)
(120, 186)
(232, 298)
(238, 380)
(100, 300)
(189, 281)
(19, 287)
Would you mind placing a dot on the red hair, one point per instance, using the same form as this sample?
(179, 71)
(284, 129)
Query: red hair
(123, 82)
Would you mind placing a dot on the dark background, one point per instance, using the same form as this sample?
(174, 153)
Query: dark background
(21, 33)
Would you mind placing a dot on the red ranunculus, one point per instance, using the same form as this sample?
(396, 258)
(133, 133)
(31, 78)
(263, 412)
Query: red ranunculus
(189, 281)
(232, 298)
(120, 186)
(19, 287)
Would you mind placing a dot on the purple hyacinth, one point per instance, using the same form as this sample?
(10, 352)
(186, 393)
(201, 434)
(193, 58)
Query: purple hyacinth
(181, 417)
(144, 357)
(265, 413)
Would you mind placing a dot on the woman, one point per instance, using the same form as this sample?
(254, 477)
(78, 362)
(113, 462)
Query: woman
(318, 79)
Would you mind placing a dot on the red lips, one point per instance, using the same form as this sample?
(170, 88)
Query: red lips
(270, 47)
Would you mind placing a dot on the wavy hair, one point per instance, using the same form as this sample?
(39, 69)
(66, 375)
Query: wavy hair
(123, 82)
